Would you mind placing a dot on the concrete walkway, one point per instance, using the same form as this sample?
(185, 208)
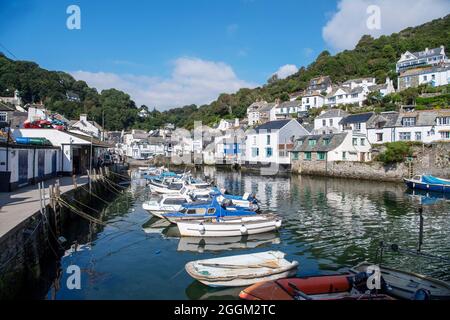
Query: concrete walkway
(17, 206)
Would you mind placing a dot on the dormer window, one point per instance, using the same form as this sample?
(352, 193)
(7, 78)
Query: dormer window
(409, 122)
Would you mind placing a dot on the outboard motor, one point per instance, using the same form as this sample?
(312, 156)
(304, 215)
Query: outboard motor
(360, 283)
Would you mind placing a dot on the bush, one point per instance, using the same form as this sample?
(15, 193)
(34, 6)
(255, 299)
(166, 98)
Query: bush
(395, 152)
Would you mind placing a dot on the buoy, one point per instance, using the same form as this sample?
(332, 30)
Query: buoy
(201, 228)
(278, 224)
(243, 229)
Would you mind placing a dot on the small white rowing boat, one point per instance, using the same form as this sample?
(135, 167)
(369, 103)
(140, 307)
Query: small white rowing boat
(242, 270)
(229, 226)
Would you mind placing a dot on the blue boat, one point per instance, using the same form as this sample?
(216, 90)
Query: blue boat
(428, 183)
(213, 209)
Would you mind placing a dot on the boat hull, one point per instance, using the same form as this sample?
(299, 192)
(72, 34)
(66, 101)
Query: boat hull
(242, 270)
(229, 228)
(405, 284)
(426, 186)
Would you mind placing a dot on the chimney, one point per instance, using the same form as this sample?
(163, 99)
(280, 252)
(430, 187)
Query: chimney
(83, 117)
(426, 50)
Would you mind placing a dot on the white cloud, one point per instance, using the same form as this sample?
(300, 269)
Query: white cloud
(192, 80)
(286, 70)
(349, 23)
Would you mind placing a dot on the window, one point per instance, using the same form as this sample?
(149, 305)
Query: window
(363, 141)
(331, 122)
(254, 140)
(255, 152)
(344, 155)
(443, 120)
(268, 152)
(357, 126)
(268, 139)
(324, 123)
(445, 135)
(404, 136)
(308, 156)
(355, 141)
(175, 201)
(425, 78)
(321, 156)
(355, 95)
(326, 141)
(409, 122)
(312, 142)
(307, 100)
(418, 136)
(294, 155)
(379, 137)
(3, 117)
(433, 77)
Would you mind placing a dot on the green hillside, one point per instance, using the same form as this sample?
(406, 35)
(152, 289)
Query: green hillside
(371, 57)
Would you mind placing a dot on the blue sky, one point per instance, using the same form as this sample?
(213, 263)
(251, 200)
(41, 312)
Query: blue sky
(176, 52)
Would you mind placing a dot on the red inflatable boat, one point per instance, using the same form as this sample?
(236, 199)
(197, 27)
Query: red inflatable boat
(334, 287)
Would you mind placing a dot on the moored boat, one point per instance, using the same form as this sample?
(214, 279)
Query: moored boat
(242, 270)
(229, 226)
(208, 210)
(407, 285)
(166, 203)
(326, 287)
(429, 183)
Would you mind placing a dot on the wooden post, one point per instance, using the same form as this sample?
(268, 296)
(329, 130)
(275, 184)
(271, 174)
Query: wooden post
(74, 181)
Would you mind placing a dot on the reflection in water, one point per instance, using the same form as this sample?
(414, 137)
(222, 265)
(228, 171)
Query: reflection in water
(328, 225)
(201, 245)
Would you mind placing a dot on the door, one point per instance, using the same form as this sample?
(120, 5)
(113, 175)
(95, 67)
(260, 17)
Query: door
(41, 164)
(363, 157)
(23, 167)
(54, 162)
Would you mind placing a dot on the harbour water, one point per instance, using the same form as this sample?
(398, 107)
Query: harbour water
(329, 225)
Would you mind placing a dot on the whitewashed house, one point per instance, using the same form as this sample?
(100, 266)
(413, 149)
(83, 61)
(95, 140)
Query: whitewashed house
(271, 142)
(253, 112)
(329, 121)
(381, 127)
(428, 57)
(76, 156)
(345, 146)
(434, 76)
(312, 99)
(345, 95)
(225, 124)
(287, 110)
(89, 127)
(356, 122)
(143, 113)
(424, 126)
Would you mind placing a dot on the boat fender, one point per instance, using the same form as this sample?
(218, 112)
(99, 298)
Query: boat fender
(278, 224)
(422, 295)
(201, 228)
(243, 229)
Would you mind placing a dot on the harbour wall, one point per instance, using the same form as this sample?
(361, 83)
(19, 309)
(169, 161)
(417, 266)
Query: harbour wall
(25, 251)
(431, 159)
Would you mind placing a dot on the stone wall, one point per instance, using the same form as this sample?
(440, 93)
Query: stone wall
(428, 159)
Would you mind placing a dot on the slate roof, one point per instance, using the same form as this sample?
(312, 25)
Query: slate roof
(419, 71)
(273, 125)
(357, 118)
(359, 80)
(423, 117)
(289, 104)
(383, 120)
(426, 54)
(335, 140)
(333, 113)
(267, 107)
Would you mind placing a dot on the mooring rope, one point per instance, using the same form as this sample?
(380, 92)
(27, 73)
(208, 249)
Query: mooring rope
(84, 205)
(80, 213)
(92, 193)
